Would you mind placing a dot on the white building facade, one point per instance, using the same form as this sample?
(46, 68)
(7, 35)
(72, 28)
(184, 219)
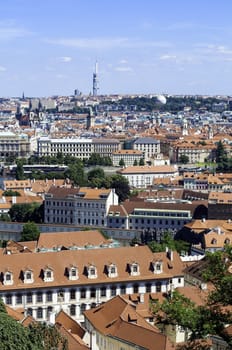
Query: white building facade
(78, 206)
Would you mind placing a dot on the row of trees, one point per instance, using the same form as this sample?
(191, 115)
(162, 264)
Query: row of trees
(94, 178)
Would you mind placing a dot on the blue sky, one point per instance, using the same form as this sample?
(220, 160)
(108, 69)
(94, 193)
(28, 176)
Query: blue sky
(49, 47)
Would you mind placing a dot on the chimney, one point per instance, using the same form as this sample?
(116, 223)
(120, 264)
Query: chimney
(141, 298)
(169, 254)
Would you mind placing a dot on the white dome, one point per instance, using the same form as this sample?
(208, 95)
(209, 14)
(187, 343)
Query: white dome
(162, 99)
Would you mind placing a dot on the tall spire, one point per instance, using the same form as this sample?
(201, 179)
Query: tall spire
(95, 80)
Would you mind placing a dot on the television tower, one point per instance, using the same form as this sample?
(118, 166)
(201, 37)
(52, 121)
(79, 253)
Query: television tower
(95, 80)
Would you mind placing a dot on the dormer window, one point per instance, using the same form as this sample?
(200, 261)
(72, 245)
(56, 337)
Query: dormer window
(134, 269)
(73, 273)
(8, 278)
(112, 270)
(48, 274)
(92, 271)
(28, 276)
(158, 266)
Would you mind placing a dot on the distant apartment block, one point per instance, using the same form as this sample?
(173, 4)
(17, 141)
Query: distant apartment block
(16, 145)
(220, 206)
(129, 157)
(143, 176)
(78, 206)
(148, 145)
(158, 216)
(196, 153)
(77, 147)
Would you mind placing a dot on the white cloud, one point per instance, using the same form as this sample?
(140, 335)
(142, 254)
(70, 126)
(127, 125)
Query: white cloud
(123, 61)
(123, 69)
(60, 76)
(168, 57)
(10, 30)
(106, 43)
(2, 69)
(65, 59)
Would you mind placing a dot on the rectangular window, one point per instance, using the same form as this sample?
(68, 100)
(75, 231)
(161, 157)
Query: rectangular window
(29, 298)
(8, 299)
(83, 293)
(19, 299)
(39, 298)
(92, 293)
(49, 296)
(103, 292)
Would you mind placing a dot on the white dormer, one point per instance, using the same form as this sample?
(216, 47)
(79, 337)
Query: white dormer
(8, 278)
(157, 266)
(48, 274)
(73, 273)
(112, 270)
(134, 269)
(92, 271)
(28, 276)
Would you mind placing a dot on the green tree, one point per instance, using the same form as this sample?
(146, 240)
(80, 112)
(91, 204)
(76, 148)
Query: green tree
(141, 162)
(19, 170)
(169, 242)
(30, 232)
(5, 217)
(11, 193)
(95, 173)
(184, 159)
(75, 173)
(121, 162)
(121, 185)
(26, 212)
(220, 153)
(47, 337)
(13, 336)
(135, 162)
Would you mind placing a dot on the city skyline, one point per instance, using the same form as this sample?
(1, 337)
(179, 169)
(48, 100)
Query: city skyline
(174, 47)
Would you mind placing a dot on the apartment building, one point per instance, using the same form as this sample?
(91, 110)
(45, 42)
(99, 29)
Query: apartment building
(158, 216)
(78, 206)
(76, 280)
(77, 147)
(148, 145)
(16, 145)
(143, 176)
(129, 157)
(105, 147)
(196, 152)
(220, 206)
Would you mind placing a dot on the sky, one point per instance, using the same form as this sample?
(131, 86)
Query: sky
(49, 47)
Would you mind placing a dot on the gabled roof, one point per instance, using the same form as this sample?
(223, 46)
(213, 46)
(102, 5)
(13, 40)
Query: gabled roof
(84, 192)
(61, 260)
(146, 140)
(69, 239)
(117, 318)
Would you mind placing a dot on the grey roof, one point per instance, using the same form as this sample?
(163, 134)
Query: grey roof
(142, 140)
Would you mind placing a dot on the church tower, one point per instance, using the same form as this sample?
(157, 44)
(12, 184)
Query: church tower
(90, 119)
(184, 127)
